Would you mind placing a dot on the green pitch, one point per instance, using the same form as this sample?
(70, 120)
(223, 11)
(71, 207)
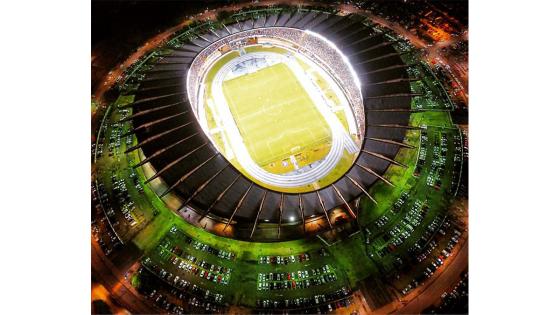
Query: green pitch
(275, 115)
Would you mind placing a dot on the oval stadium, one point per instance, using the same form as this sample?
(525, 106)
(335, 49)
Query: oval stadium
(273, 158)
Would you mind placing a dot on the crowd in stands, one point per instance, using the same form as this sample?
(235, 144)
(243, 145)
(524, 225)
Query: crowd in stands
(306, 43)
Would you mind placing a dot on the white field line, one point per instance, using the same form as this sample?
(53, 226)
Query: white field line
(340, 138)
(322, 103)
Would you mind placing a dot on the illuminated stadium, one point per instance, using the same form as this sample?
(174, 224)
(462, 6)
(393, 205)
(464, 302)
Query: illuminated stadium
(277, 159)
(310, 167)
(304, 125)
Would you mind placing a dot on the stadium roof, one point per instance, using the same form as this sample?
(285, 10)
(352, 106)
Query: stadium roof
(183, 157)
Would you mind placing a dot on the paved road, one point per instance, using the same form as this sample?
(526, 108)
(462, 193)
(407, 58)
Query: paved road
(442, 280)
(445, 280)
(113, 280)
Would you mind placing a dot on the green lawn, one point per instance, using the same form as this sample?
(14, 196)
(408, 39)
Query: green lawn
(275, 115)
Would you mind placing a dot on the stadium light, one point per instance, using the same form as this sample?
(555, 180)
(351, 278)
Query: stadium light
(344, 58)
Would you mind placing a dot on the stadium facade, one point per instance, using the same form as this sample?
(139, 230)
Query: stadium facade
(184, 157)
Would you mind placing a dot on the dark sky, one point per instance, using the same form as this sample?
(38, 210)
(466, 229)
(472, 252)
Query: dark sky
(118, 19)
(114, 19)
(119, 27)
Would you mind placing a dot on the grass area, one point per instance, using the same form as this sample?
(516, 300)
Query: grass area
(135, 281)
(160, 256)
(274, 114)
(117, 177)
(280, 126)
(315, 262)
(348, 257)
(439, 119)
(148, 238)
(351, 257)
(402, 178)
(243, 283)
(413, 191)
(250, 251)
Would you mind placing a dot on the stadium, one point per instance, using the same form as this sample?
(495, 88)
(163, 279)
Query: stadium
(279, 159)
(242, 78)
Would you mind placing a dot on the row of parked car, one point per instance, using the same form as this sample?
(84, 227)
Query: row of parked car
(181, 288)
(216, 252)
(215, 273)
(301, 279)
(177, 233)
(434, 264)
(284, 260)
(161, 300)
(320, 303)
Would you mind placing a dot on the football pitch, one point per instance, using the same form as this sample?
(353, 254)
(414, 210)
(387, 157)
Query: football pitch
(274, 114)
